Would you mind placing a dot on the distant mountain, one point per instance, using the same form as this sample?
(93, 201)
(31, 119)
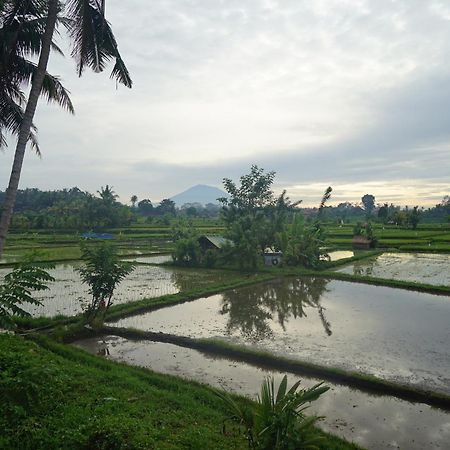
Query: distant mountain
(199, 194)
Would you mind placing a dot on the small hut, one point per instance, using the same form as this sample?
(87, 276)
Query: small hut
(213, 242)
(272, 258)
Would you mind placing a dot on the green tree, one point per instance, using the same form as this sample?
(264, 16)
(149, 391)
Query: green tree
(93, 44)
(368, 202)
(253, 215)
(303, 243)
(187, 250)
(22, 27)
(17, 289)
(145, 207)
(166, 207)
(383, 213)
(413, 217)
(133, 200)
(107, 194)
(102, 272)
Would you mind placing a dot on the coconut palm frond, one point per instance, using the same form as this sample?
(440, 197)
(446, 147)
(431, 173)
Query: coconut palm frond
(32, 139)
(11, 116)
(325, 198)
(54, 91)
(121, 74)
(87, 49)
(94, 44)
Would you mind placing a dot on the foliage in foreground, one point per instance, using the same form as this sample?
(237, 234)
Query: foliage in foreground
(17, 289)
(277, 421)
(55, 396)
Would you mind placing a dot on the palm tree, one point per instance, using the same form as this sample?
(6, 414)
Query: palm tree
(107, 194)
(22, 27)
(93, 45)
(133, 200)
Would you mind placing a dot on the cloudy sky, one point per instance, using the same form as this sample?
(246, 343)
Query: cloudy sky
(349, 93)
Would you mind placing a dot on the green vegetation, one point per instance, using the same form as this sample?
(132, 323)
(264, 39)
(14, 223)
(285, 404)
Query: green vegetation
(254, 219)
(303, 243)
(276, 421)
(28, 30)
(17, 288)
(365, 382)
(56, 396)
(257, 221)
(253, 216)
(102, 271)
(187, 250)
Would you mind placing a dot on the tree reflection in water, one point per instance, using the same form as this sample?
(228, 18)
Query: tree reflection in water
(188, 279)
(251, 309)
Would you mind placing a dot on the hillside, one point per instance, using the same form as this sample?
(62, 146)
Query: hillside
(199, 194)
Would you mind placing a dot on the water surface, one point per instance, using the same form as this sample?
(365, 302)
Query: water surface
(155, 259)
(400, 335)
(67, 295)
(340, 254)
(374, 422)
(418, 267)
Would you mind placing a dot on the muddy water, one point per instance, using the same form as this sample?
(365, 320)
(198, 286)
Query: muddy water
(374, 422)
(67, 295)
(399, 335)
(418, 267)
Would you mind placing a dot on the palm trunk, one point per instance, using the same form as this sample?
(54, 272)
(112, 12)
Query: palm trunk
(25, 128)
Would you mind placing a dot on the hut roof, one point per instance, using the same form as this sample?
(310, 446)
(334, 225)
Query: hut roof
(217, 241)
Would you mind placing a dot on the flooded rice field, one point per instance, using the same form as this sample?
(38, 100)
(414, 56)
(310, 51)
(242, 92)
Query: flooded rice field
(402, 336)
(153, 259)
(374, 422)
(336, 255)
(419, 267)
(67, 295)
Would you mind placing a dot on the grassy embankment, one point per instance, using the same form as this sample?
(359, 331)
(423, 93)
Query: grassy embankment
(365, 382)
(56, 396)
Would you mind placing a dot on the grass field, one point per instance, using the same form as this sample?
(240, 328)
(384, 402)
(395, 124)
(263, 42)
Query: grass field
(148, 239)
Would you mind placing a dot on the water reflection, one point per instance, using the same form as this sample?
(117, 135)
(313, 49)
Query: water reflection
(417, 267)
(374, 422)
(251, 310)
(364, 269)
(189, 279)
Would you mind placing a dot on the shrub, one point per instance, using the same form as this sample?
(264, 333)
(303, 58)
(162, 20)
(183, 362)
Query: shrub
(102, 271)
(277, 420)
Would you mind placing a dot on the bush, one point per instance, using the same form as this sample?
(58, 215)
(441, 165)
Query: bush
(302, 243)
(277, 422)
(187, 251)
(102, 271)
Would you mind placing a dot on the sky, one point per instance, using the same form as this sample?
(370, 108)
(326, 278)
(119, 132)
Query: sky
(352, 94)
